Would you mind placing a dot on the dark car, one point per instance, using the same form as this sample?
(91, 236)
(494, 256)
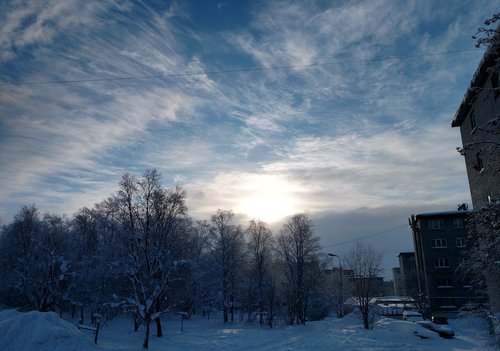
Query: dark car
(439, 320)
(444, 331)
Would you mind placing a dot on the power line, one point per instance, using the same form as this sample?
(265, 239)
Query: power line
(367, 236)
(236, 70)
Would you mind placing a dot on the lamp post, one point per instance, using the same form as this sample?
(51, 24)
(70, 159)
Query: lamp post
(341, 295)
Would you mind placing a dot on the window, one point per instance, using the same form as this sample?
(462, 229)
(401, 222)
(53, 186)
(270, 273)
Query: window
(473, 124)
(467, 283)
(439, 243)
(458, 223)
(461, 242)
(436, 224)
(441, 263)
(478, 166)
(444, 283)
(461, 261)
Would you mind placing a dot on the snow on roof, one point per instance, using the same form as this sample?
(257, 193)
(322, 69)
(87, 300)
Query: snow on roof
(442, 213)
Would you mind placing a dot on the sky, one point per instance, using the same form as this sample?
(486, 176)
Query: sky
(338, 109)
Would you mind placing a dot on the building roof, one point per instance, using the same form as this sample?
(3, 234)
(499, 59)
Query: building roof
(477, 82)
(442, 214)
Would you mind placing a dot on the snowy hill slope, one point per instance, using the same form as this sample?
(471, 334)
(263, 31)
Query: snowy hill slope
(35, 331)
(38, 331)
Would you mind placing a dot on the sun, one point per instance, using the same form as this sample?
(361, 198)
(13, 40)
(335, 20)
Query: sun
(269, 198)
(267, 208)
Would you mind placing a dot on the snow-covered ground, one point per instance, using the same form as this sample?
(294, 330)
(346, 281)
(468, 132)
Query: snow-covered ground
(46, 331)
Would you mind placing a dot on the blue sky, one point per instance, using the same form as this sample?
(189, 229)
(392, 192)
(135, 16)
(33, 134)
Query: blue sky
(339, 109)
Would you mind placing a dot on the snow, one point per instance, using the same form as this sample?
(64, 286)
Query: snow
(40, 331)
(410, 328)
(46, 331)
(442, 213)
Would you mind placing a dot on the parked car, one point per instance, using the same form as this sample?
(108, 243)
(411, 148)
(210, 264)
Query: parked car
(439, 320)
(444, 331)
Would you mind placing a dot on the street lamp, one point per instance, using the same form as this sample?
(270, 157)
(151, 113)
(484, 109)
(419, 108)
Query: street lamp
(341, 295)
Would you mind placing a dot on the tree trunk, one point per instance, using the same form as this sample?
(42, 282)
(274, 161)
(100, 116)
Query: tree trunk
(226, 316)
(145, 344)
(304, 311)
(232, 308)
(137, 321)
(365, 314)
(159, 331)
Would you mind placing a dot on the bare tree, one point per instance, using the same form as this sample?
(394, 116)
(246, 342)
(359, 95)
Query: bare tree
(152, 219)
(190, 290)
(226, 242)
(366, 265)
(484, 35)
(298, 249)
(483, 254)
(33, 254)
(260, 257)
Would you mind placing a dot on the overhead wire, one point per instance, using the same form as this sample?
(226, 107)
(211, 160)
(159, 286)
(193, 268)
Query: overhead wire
(367, 236)
(235, 70)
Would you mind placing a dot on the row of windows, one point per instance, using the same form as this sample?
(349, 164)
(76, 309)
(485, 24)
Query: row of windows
(439, 243)
(441, 263)
(443, 243)
(448, 282)
(443, 283)
(439, 223)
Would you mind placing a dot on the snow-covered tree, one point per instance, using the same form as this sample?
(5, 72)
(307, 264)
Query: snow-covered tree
(260, 246)
(94, 244)
(298, 249)
(191, 291)
(483, 254)
(226, 244)
(34, 258)
(366, 265)
(152, 223)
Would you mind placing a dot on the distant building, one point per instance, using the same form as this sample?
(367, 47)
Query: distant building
(408, 270)
(440, 247)
(398, 284)
(478, 117)
(377, 284)
(388, 288)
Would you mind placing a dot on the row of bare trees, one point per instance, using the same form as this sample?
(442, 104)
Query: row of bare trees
(141, 251)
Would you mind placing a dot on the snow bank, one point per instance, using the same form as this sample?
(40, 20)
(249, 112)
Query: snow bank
(410, 328)
(46, 332)
(40, 331)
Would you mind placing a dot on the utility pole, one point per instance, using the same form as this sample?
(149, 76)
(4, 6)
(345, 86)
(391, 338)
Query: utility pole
(341, 292)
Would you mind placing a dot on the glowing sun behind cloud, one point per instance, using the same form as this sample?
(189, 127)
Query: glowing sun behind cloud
(266, 197)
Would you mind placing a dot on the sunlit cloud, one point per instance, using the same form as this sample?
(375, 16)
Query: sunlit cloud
(367, 128)
(264, 196)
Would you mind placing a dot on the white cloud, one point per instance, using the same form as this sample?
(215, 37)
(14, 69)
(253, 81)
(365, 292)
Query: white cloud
(27, 23)
(358, 132)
